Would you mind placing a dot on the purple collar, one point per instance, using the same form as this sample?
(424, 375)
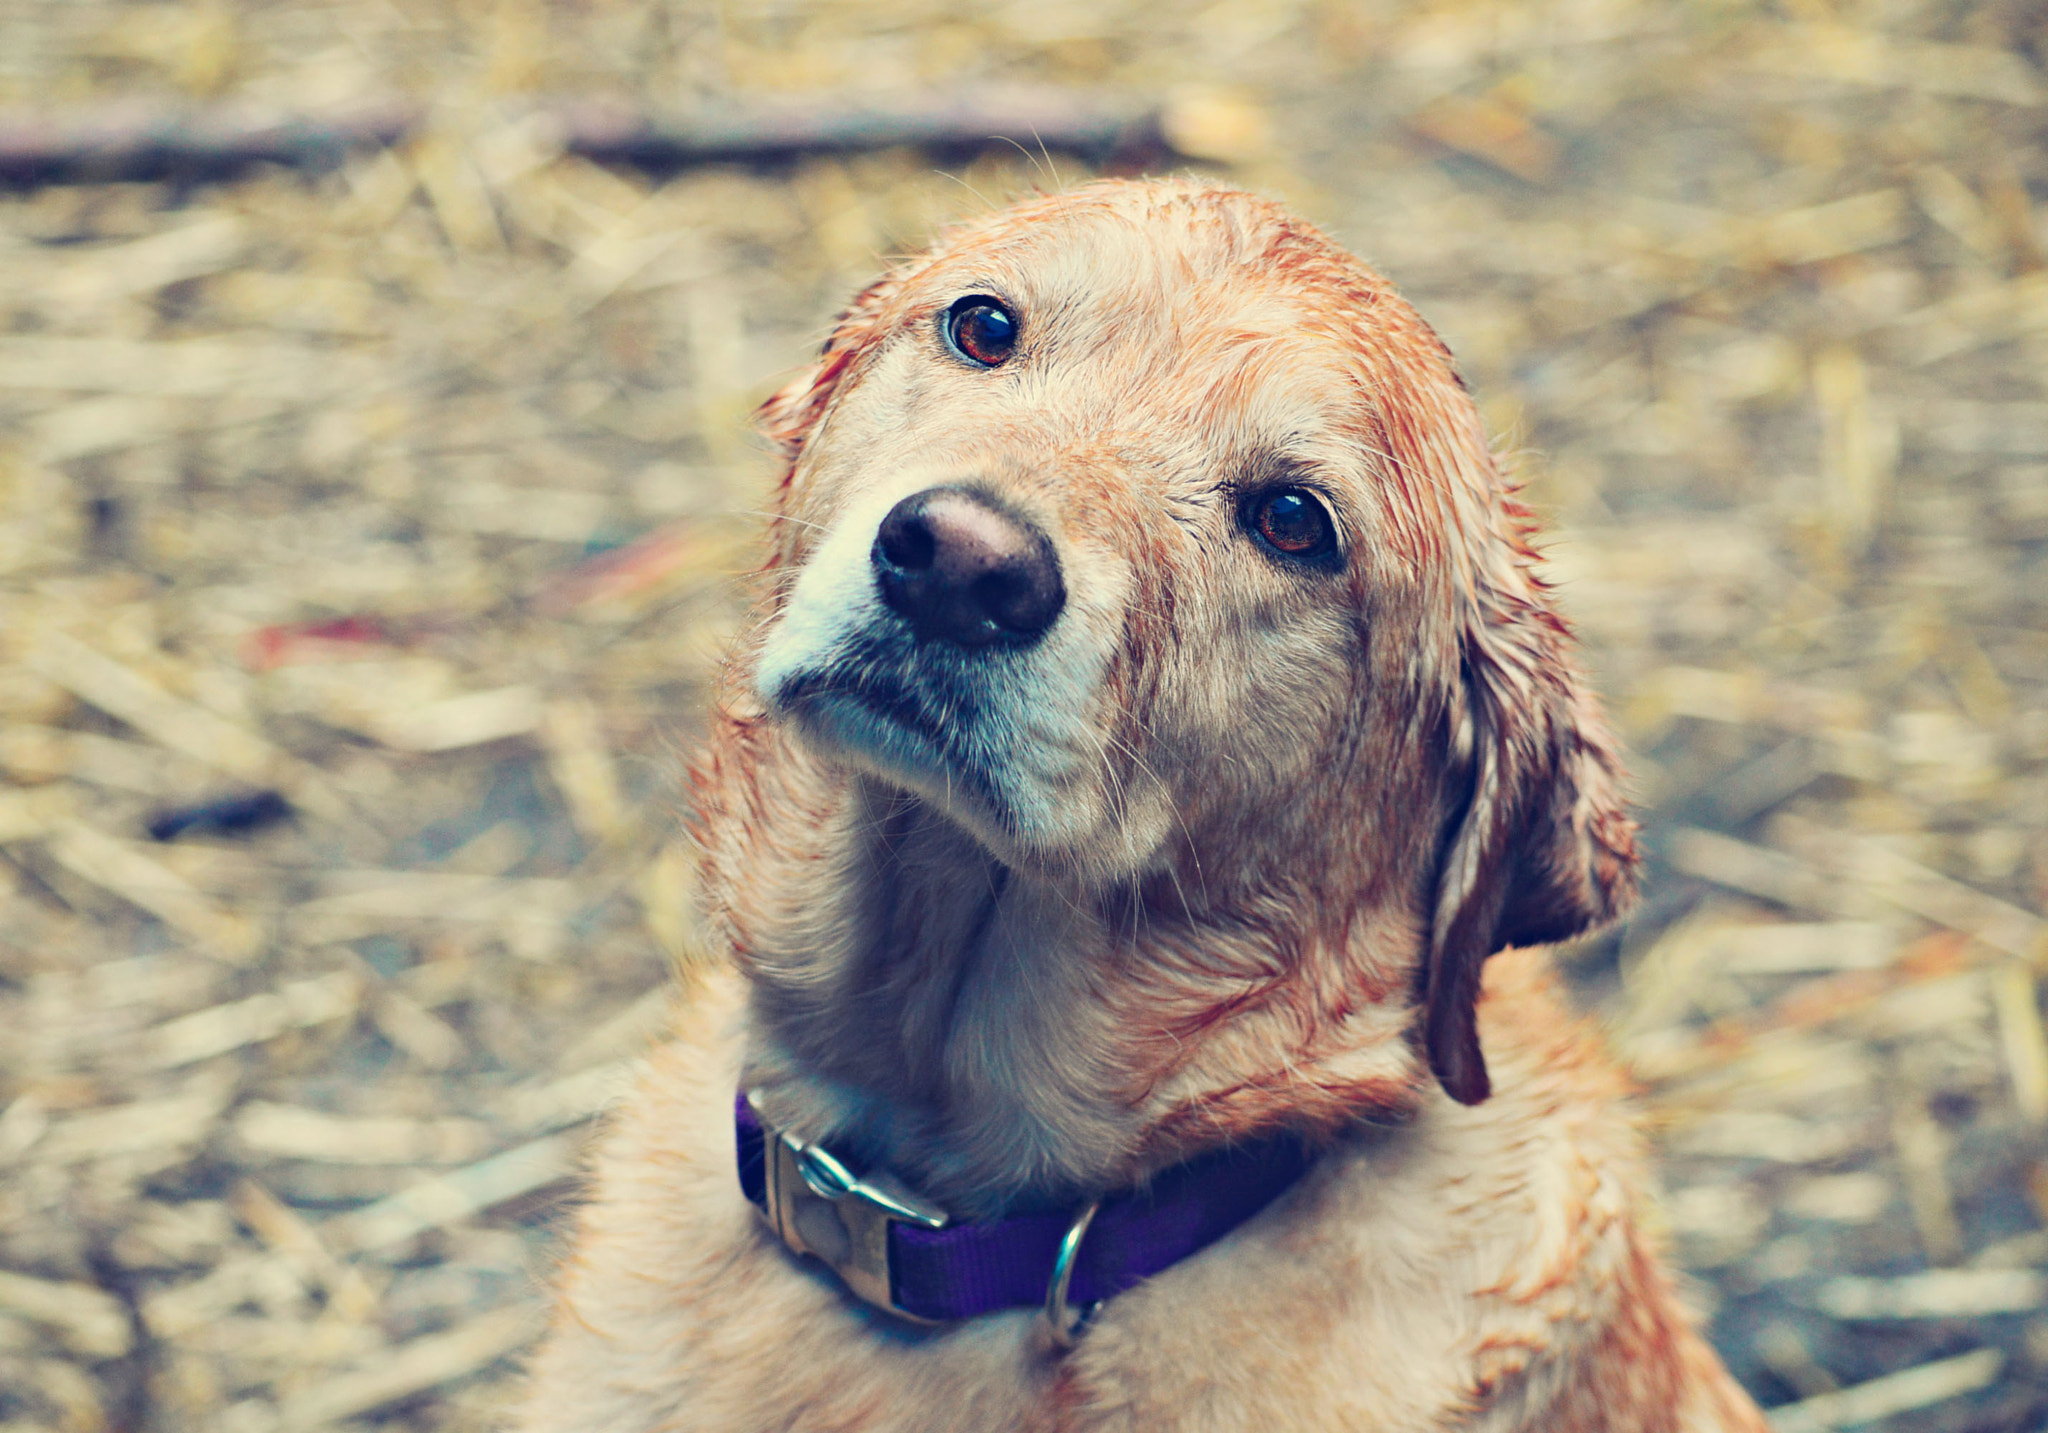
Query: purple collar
(902, 1254)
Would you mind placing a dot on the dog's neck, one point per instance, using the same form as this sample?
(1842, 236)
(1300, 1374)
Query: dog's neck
(1003, 1039)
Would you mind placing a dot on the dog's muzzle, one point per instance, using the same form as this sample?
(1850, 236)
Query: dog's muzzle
(904, 1255)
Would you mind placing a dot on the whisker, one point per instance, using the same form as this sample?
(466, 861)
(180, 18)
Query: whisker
(772, 517)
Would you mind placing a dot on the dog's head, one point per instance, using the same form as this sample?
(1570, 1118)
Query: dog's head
(1147, 533)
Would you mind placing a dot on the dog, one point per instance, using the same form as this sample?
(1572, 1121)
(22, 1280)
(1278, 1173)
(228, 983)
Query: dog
(1154, 723)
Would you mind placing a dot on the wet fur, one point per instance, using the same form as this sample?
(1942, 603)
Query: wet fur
(1227, 852)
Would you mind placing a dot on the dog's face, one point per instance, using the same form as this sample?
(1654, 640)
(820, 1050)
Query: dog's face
(1091, 543)
(1142, 530)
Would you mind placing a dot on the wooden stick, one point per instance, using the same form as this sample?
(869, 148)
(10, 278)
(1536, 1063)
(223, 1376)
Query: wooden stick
(142, 141)
(957, 124)
(193, 143)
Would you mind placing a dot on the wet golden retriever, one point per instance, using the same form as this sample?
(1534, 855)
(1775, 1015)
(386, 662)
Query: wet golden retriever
(1155, 722)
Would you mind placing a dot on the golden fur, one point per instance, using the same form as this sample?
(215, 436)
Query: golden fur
(1223, 852)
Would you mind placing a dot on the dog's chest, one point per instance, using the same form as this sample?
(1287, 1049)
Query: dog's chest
(1380, 1293)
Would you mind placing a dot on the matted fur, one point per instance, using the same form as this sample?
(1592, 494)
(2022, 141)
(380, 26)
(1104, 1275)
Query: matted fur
(1224, 852)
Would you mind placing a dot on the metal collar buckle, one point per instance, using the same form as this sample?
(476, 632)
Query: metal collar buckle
(820, 1207)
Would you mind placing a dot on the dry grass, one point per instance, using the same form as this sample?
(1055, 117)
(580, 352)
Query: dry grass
(417, 492)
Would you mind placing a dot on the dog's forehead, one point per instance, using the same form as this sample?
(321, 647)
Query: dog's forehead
(1231, 292)
(1212, 257)
(1148, 292)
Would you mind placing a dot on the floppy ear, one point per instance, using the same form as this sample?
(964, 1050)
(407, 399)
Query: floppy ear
(791, 412)
(1544, 848)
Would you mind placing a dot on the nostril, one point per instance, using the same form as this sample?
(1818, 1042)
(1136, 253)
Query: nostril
(963, 569)
(905, 539)
(1015, 601)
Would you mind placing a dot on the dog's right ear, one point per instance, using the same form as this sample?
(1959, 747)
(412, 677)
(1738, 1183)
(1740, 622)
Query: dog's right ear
(789, 415)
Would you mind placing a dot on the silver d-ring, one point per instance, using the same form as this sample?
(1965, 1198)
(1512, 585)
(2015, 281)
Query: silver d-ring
(1063, 1323)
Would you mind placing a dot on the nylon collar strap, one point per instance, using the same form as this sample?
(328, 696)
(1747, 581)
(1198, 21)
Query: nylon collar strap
(901, 1254)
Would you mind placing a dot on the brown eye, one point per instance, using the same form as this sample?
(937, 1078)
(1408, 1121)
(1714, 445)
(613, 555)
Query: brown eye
(981, 330)
(1293, 522)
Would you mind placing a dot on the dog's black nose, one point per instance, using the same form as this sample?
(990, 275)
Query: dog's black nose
(962, 569)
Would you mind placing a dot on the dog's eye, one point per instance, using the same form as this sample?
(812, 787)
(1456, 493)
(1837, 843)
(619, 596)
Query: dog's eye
(981, 329)
(1293, 522)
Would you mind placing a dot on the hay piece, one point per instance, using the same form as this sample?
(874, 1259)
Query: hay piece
(1811, 946)
(412, 1028)
(106, 424)
(1923, 1150)
(138, 140)
(403, 1371)
(190, 367)
(2025, 1043)
(282, 1228)
(1873, 865)
(121, 868)
(119, 691)
(470, 720)
(1973, 317)
(173, 1312)
(1921, 1386)
(1487, 129)
(41, 753)
(164, 1236)
(1858, 1197)
(78, 1399)
(88, 1320)
(1935, 1294)
(1973, 425)
(581, 765)
(358, 638)
(293, 1132)
(1792, 1359)
(206, 245)
(295, 1005)
(454, 1197)
(1868, 57)
(1912, 887)
(1859, 447)
(99, 680)
(626, 1033)
(663, 890)
(545, 514)
(169, 1123)
(360, 902)
(1802, 236)
(571, 1099)
(27, 815)
(1766, 1135)
(1661, 983)
(1752, 870)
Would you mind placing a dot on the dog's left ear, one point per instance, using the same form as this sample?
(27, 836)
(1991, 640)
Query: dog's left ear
(1544, 848)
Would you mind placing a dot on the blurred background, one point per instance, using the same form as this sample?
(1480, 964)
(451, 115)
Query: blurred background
(376, 490)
